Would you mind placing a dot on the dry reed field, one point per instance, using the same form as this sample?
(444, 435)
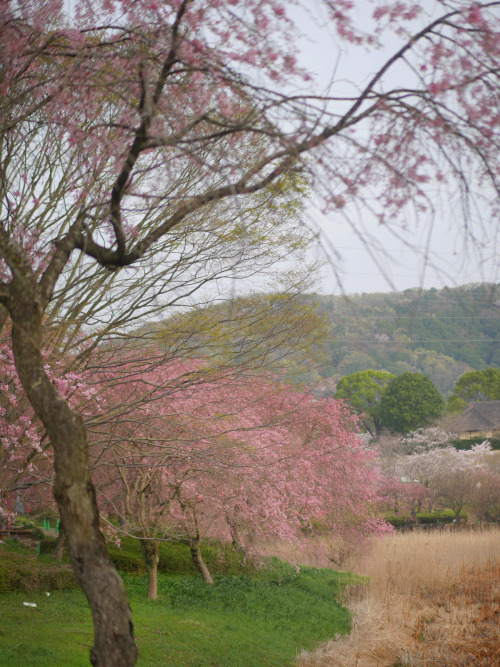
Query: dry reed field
(433, 600)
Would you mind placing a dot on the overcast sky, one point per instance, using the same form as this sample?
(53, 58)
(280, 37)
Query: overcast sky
(382, 262)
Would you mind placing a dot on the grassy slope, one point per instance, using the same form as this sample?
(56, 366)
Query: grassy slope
(264, 619)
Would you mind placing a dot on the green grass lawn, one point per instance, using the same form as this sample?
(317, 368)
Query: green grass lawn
(261, 619)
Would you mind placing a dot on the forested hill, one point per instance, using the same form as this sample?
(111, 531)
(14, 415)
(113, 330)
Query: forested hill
(441, 333)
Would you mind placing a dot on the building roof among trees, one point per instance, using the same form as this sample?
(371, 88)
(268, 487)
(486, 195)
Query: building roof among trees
(479, 416)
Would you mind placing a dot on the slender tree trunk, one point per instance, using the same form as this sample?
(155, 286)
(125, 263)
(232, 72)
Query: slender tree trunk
(194, 546)
(74, 492)
(150, 549)
(235, 533)
(58, 553)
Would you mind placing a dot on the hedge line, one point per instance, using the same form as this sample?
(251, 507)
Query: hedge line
(469, 444)
(173, 558)
(176, 558)
(441, 516)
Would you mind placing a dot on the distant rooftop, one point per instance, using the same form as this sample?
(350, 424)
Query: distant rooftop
(480, 416)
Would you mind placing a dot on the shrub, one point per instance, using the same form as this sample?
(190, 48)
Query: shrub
(427, 518)
(47, 545)
(127, 557)
(469, 443)
(443, 516)
(20, 572)
(176, 559)
(398, 520)
(126, 562)
(37, 533)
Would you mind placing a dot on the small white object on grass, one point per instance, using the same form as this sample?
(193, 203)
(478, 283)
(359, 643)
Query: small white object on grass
(29, 604)
(47, 594)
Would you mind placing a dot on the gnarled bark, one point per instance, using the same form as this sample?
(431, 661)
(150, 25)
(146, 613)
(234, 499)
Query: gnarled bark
(74, 492)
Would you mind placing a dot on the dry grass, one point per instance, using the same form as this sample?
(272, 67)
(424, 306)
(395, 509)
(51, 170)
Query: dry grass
(433, 600)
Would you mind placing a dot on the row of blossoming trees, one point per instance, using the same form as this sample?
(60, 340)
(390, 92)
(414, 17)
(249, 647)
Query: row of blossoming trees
(183, 452)
(424, 471)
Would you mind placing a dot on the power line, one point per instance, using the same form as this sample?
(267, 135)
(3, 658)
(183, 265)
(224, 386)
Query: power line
(406, 300)
(419, 249)
(415, 342)
(419, 317)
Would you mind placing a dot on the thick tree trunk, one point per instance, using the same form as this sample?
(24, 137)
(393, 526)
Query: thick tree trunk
(74, 492)
(194, 546)
(150, 549)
